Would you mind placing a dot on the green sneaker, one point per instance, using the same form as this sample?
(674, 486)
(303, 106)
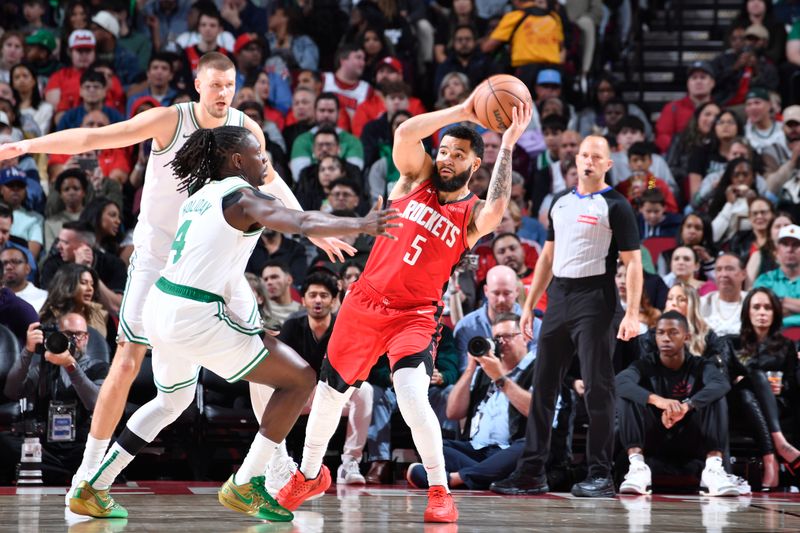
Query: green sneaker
(253, 499)
(88, 501)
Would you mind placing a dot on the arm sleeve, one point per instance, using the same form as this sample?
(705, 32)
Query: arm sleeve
(715, 386)
(20, 375)
(623, 224)
(87, 382)
(627, 383)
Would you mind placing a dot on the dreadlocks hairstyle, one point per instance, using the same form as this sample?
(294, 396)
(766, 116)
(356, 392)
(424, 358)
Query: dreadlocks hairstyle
(199, 160)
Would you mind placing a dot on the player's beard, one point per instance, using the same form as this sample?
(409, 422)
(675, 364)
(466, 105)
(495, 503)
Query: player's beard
(456, 182)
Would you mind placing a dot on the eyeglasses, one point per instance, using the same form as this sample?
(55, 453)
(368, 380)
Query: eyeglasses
(12, 262)
(78, 335)
(507, 337)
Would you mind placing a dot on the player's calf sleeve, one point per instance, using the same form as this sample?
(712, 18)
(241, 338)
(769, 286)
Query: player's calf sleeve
(141, 429)
(326, 410)
(411, 388)
(260, 396)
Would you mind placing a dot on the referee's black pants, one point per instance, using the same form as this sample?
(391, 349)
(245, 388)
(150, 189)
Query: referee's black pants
(578, 320)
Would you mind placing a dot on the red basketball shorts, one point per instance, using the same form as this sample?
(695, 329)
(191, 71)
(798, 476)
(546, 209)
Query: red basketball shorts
(369, 325)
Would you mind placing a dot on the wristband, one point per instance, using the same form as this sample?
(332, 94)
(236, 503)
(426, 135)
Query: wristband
(500, 382)
(71, 368)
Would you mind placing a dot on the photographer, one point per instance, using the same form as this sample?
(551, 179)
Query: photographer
(62, 389)
(494, 394)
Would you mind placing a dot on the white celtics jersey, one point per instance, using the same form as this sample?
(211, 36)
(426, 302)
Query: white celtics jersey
(207, 252)
(158, 219)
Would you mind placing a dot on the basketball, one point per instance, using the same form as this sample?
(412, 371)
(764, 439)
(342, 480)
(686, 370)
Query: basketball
(495, 97)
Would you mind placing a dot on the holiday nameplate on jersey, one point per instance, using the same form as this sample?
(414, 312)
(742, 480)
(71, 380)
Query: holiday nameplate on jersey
(61, 421)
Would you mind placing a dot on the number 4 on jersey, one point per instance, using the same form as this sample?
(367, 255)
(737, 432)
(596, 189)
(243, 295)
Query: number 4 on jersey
(409, 258)
(180, 241)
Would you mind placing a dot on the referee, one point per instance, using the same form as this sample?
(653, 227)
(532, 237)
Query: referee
(589, 227)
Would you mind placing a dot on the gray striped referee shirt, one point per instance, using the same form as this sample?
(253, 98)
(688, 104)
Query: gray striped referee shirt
(589, 231)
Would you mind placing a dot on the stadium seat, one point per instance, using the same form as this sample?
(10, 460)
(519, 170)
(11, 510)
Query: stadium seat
(658, 245)
(9, 351)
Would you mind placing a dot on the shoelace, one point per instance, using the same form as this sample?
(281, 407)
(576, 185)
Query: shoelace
(438, 497)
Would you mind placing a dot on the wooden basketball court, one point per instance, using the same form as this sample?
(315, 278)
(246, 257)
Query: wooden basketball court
(193, 508)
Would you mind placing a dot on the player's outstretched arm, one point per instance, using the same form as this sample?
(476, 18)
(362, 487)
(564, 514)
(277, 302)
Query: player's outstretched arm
(490, 213)
(408, 152)
(147, 125)
(254, 207)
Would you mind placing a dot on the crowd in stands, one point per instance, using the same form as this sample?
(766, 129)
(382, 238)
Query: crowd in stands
(714, 181)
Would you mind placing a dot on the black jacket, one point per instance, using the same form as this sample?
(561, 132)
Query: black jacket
(698, 378)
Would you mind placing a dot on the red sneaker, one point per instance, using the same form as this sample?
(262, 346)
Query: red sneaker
(299, 489)
(441, 507)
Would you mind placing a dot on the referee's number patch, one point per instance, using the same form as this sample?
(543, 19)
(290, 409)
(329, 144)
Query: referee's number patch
(588, 219)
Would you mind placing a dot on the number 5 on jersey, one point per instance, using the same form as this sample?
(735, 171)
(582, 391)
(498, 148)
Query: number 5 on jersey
(411, 257)
(180, 241)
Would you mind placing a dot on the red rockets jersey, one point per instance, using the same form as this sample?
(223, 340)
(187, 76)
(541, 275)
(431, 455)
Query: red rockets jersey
(416, 267)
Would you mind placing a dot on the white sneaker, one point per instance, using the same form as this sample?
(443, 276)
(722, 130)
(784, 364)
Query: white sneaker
(638, 479)
(278, 473)
(718, 482)
(742, 486)
(349, 474)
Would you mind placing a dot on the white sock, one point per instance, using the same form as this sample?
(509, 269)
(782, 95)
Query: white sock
(256, 459)
(280, 454)
(114, 462)
(93, 454)
(411, 388)
(712, 462)
(326, 411)
(636, 458)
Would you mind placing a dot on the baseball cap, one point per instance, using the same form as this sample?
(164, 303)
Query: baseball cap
(705, 66)
(791, 113)
(391, 62)
(12, 174)
(243, 40)
(81, 39)
(548, 76)
(107, 21)
(757, 92)
(792, 231)
(757, 30)
(42, 38)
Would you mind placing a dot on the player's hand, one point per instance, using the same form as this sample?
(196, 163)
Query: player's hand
(628, 328)
(15, 149)
(333, 247)
(377, 221)
(526, 324)
(520, 118)
(468, 109)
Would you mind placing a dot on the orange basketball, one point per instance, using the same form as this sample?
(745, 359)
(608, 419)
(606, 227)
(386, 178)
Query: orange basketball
(496, 96)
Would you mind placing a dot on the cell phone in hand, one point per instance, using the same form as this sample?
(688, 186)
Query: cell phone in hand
(87, 164)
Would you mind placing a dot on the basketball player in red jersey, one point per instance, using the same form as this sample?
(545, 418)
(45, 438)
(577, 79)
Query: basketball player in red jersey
(394, 307)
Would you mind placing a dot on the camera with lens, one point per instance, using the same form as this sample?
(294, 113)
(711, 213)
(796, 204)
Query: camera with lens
(55, 341)
(481, 346)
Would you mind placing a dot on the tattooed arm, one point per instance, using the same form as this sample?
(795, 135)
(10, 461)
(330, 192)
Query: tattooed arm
(487, 215)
